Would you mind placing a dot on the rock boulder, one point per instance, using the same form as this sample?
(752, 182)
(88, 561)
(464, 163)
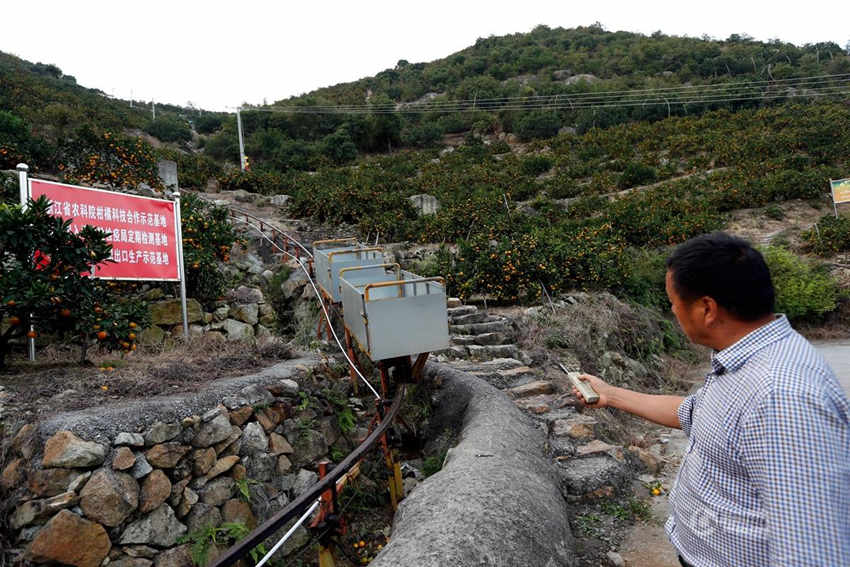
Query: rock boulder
(66, 450)
(59, 541)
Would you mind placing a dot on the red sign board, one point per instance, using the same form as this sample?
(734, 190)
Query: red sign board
(142, 230)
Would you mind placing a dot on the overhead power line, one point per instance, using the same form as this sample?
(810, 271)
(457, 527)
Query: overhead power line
(800, 87)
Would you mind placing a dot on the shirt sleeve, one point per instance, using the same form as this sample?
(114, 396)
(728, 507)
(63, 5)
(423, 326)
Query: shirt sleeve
(685, 410)
(795, 447)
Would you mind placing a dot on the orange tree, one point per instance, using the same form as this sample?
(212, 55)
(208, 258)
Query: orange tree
(44, 283)
(207, 239)
(113, 159)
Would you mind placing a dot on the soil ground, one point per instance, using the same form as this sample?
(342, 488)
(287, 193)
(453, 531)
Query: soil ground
(56, 382)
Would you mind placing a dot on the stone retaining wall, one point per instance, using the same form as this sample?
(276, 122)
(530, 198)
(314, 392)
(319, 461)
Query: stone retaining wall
(243, 315)
(132, 480)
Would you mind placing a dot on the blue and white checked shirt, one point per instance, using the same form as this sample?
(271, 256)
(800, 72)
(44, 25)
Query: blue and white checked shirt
(765, 480)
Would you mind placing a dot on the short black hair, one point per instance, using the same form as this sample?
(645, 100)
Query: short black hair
(727, 269)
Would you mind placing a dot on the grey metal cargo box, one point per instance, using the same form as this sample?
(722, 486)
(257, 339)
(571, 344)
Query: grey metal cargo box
(391, 312)
(330, 256)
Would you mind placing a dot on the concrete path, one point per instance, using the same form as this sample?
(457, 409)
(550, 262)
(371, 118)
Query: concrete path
(837, 355)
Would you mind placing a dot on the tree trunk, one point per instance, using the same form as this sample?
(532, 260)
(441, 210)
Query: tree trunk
(84, 349)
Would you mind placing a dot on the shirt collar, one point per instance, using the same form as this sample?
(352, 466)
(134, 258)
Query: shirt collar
(733, 357)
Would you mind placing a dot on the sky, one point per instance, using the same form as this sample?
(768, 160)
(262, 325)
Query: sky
(218, 55)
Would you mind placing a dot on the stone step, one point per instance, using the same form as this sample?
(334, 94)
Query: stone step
(454, 352)
(579, 427)
(500, 326)
(463, 340)
(453, 302)
(503, 379)
(597, 447)
(461, 311)
(491, 365)
(468, 319)
(499, 372)
(486, 339)
(592, 477)
(493, 351)
(532, 389)
(539, 404)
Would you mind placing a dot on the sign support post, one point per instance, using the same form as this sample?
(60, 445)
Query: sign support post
(25, 195)
(181, 268)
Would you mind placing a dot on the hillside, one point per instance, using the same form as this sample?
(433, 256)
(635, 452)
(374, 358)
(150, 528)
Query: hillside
(545, 62)
(529, 197)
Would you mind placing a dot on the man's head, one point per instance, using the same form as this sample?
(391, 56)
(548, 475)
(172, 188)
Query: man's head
(717, 283)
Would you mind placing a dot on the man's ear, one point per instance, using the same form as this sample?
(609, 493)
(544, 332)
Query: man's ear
(711, 311)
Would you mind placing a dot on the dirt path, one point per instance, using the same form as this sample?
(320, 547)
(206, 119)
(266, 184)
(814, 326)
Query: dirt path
(646, 544)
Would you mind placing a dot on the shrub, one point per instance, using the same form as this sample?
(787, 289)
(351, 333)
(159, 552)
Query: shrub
(423, 135)
(261, 182)
(9, 188)
(207, 123)
(208, 237)
(829, 236)
(804, 291)
(500, 147)
(535, 165)
(169, 129)
(645, 278)
(636, 174)
(774, 212)
(537, 124)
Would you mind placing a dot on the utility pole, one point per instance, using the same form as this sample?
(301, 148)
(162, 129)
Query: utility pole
(241, 143)
(153, 110)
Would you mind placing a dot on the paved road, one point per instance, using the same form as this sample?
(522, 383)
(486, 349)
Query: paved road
(837, 355)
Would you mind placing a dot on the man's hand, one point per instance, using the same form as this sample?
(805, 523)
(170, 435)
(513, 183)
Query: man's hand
(658, 409)
(599, 386)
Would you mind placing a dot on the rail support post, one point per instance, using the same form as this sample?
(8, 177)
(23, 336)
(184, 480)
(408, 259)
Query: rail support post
(349, 347)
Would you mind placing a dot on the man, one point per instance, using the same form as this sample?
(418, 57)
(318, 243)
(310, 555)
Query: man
(765, 480)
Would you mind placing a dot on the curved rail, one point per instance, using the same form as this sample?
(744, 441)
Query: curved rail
(303, 502)
(263, 224)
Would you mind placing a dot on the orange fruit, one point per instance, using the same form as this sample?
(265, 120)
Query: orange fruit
(131, 336)
(65, 312)
(14, 320)
(11, 303)
(132, 325)
(125, 344)
(32, 334)
(95, 327)
(101, 335)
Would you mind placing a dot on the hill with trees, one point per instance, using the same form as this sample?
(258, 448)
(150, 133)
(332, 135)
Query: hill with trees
(554, 194)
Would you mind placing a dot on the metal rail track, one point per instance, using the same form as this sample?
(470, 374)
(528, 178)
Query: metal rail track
(299, 507)
(243, 547)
